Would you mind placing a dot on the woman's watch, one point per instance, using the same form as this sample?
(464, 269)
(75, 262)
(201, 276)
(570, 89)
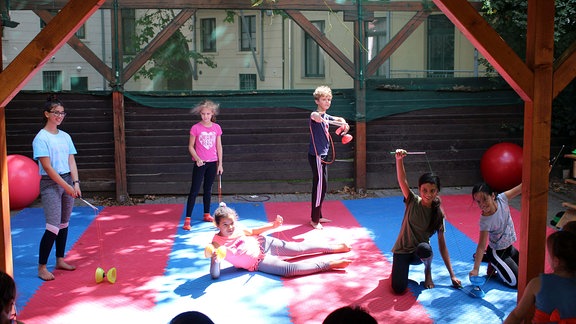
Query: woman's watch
(75, 182)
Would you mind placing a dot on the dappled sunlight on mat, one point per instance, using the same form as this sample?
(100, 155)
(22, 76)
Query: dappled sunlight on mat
(315, 296)
(162, 270)
(136, 240)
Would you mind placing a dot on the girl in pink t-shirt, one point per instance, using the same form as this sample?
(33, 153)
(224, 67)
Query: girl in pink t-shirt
(247, 249)
(205, 147)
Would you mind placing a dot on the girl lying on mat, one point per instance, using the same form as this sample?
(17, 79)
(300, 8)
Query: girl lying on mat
(247, 249)
(422, 218)
(553, 294)
(496, 230)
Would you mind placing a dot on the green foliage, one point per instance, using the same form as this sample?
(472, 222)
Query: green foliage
(510, 18)
(168, 59)
(230, 14)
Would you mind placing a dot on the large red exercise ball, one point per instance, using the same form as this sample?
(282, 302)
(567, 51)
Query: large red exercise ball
(501, 166)
(23, 181)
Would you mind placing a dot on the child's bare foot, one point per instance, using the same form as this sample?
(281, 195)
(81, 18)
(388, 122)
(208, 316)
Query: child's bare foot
(340, 264)
(44, 274)
(428, 282)
(61, 264)
(340, 248)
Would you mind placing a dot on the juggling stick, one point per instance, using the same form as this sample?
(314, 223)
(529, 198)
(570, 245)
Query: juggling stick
(336, 123)
(554, 159)
(411, 153)
(89, 204)
(220, 188)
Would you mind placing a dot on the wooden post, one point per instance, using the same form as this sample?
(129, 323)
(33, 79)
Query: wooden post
(120, 147)
(6, 243)
(118, 107)
(536, 154)
(360, 57)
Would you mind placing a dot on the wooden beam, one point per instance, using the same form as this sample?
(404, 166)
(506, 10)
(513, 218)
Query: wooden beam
(490, 44)
(305, 5)
(43, 46)
(159, 40)
(564, 70)
(17, 74)
(536, 150)
(85, 52)
(332, 50)
(396, 41)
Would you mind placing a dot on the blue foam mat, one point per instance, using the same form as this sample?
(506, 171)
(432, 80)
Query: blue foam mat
(255, 295)
(445, 304)
(260, 297)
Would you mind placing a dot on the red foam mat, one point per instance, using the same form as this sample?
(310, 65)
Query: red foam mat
(137, 240)
(365, 282)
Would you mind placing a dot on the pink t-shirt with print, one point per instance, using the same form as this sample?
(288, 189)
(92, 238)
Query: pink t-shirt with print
(205, 144)
(242, 251)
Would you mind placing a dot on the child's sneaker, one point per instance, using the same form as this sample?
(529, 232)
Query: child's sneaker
(208, 218)
(187, 226)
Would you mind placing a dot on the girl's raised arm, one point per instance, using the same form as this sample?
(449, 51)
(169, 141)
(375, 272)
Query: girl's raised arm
(513, 192)
(401, 172)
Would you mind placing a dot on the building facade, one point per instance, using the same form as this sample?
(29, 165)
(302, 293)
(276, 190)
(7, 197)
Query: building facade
(251, 50)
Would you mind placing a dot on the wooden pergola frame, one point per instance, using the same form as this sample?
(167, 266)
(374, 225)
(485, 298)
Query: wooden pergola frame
(537, 81)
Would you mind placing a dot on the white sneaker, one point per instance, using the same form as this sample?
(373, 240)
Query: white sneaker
(317, 226)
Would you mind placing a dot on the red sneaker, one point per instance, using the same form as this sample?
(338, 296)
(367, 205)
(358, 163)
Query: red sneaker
(208, 218)
(187, 226)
